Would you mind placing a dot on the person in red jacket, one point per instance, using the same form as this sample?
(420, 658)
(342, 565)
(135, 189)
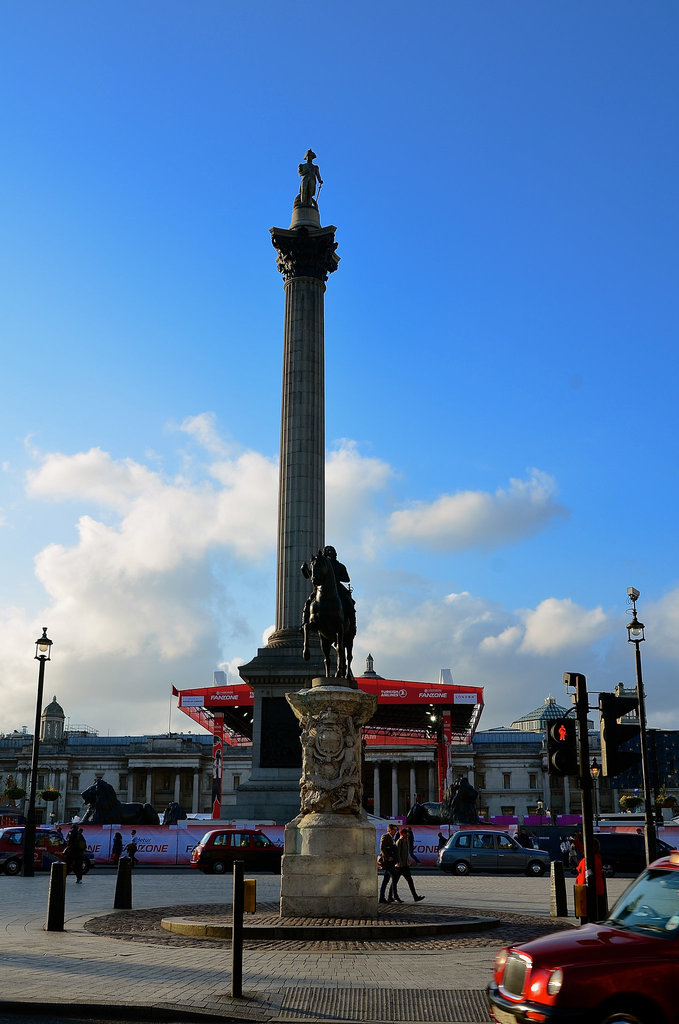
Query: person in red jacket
(599, 881)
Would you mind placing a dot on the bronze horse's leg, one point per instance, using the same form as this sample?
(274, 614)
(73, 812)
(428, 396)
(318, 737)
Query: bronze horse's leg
(326, 644)
(305, 644)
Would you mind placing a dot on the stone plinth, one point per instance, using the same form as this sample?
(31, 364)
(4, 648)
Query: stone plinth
(329, 867)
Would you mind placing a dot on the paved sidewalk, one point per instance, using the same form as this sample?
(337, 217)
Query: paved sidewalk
(280, 984)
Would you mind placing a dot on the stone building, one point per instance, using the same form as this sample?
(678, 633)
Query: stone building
(143, 769)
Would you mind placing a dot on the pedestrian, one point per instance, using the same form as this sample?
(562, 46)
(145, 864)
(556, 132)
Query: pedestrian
(388, 862)
(522, 838)
(411, 846)
(599, 882)
(131, 849)
(74, 853)
(404, 862)
(565, 848)
(442, 841)
(117, 848)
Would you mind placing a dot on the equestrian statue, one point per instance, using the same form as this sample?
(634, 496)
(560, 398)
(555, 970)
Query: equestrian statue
(330, 611)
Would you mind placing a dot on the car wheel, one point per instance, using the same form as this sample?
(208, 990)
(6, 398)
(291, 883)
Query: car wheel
(218, 867)
(535, 868)
(461, 867)
(12, 866)
(617, 1016)
(607, 869)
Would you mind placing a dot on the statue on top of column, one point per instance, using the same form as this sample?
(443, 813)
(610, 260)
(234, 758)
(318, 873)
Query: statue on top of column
(310, 174)
(330, 611)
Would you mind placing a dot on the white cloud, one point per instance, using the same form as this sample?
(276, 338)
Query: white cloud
(470, 519)
(561, 625)
(353, 485)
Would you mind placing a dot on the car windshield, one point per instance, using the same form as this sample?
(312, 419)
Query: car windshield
(651, 904)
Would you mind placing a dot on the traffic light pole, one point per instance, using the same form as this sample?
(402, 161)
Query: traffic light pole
(581, 701)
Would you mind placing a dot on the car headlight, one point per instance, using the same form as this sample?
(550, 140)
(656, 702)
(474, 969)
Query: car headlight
(555, 982)
(501, 960)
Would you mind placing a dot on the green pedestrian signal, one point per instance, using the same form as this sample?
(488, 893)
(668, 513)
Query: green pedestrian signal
(562, 747)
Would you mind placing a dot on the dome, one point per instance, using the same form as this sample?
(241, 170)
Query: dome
(535, 721)
(54, 709)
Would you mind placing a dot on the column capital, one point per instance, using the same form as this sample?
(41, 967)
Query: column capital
(305, 252)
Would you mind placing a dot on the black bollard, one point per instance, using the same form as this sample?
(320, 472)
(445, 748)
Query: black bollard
(237, 931)
(56, 897)
(123, 896)
(558, 904)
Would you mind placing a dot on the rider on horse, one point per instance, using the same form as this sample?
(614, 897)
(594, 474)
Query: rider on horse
(341, 575)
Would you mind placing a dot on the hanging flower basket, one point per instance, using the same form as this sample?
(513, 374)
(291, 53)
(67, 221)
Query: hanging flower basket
(630, 803)
(15, 793)
(49, 795)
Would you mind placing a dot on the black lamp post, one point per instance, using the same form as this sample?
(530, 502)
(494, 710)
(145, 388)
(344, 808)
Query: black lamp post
(43, 648)
(635, 635)
(595, 772)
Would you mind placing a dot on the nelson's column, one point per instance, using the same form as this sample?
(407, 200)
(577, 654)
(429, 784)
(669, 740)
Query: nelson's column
(306, 256)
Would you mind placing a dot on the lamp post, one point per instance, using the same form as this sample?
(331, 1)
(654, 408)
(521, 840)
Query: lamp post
(43, 647)
(595, 772)
(635, 635)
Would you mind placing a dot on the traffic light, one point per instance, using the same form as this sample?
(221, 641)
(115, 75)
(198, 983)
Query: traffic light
(562, 747)
(615, 734)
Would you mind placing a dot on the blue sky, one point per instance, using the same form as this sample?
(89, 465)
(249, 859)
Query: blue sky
(500, 339)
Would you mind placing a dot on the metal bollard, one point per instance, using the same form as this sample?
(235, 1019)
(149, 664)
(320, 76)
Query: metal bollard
(56, 897)
(237, 931)
(558, 904)
(123, 896)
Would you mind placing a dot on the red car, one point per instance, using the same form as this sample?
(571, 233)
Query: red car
(622, 970)
(219, 848)
(50, 845)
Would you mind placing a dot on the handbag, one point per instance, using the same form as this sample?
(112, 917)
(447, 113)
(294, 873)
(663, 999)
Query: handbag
(380, 862)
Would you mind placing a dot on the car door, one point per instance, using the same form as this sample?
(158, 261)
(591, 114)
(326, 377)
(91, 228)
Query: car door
(483, 852)
(510, 856)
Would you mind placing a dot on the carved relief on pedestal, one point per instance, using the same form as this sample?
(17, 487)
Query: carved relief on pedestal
(331, 748)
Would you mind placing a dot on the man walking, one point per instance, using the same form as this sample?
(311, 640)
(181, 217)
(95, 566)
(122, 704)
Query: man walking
(388, 863)
(404, 860)
(74, 853)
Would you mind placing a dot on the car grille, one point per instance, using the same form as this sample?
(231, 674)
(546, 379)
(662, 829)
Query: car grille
(514, 976)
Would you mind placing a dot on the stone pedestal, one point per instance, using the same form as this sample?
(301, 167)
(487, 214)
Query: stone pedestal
(329, 866)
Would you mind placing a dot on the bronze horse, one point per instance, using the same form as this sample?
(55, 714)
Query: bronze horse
(326, 614)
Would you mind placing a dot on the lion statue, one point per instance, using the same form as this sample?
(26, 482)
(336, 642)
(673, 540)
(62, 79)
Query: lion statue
(106, 809)
(173, 813)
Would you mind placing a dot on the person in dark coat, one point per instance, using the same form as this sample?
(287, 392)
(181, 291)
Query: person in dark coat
(117, 847)
(74, 853)
(404, 858)
(388, 862)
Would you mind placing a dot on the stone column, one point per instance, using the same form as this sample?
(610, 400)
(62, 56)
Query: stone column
(412, 786)
(195, 809)
(394, 789)
(431, 783)
(376, 790)
(306, 256)
(177, 787)
(149, 780)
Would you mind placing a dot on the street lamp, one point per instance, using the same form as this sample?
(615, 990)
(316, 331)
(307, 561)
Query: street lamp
(595, 772)
(635, 635)
(43, 649)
